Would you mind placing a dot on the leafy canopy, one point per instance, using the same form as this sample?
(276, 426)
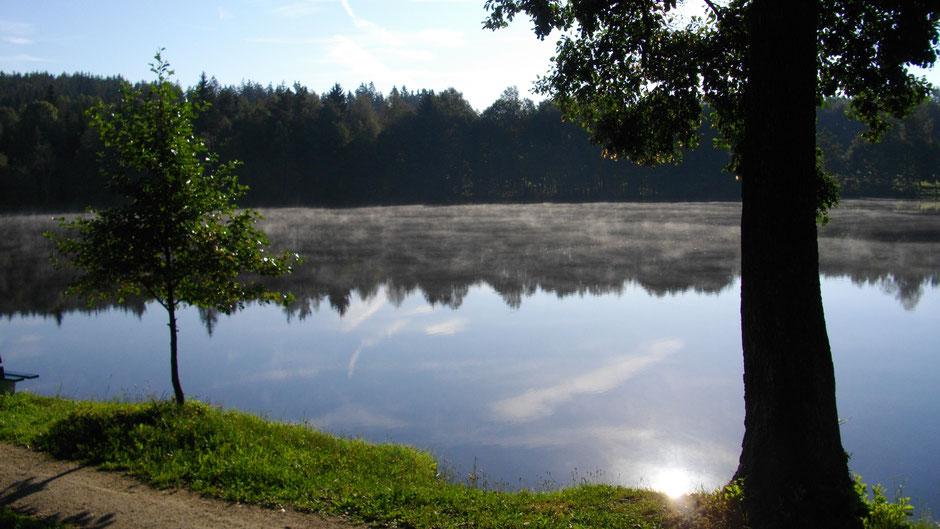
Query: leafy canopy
(178, 237)
(637, 75)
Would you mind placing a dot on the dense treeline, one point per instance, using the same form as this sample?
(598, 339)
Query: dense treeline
(905, 163)
(361, 147)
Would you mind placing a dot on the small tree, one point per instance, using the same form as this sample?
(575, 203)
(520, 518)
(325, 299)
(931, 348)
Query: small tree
(177, 237)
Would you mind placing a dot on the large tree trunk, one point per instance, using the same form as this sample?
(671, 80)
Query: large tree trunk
(794, 468)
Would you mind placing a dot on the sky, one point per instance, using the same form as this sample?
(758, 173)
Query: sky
(419, 44)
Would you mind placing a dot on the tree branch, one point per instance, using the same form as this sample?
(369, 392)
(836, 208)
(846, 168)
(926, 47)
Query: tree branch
(713, 8)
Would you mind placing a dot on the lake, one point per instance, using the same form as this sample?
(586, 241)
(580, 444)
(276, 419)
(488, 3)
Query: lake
(535, 345)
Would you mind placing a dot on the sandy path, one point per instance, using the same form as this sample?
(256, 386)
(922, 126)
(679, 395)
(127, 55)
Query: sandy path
(38, 485)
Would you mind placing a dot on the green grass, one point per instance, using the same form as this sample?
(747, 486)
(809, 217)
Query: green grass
(240, 457)
(10, 519)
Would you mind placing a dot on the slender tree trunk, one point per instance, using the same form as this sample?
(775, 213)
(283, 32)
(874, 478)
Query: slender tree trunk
(174, 366)
(794, 468)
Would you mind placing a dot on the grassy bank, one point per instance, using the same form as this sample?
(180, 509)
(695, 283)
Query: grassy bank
(239, 457)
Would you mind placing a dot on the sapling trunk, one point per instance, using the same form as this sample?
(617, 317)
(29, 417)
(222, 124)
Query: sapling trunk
(174, 366)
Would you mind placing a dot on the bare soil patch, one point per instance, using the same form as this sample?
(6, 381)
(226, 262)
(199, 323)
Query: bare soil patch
(41, 486)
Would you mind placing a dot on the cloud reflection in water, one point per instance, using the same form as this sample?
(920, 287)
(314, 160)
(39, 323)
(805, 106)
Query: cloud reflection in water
(446, 328)
(352, 416)
(372, 341)
(536, 403)
(357, 314)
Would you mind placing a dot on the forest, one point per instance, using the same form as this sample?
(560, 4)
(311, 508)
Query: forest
(362, 147)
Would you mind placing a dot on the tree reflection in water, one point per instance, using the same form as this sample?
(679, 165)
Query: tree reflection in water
(565, 249)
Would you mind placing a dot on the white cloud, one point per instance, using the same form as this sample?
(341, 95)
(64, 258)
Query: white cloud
(390, 331)
(277, 375)
(386, 37)
(376, 32)
(345, 51)
(414, 55)
(22, 58)
(16, 28)
(424, 309)
(536, 403)
(360, 312)
(559, 437)
(350, 416)
(351, 369)
(17, 40)
(441, 37)
(359, 23)
(225, 14)
(447, 328)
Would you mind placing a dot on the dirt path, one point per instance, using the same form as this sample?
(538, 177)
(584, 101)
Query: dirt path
(38, 485)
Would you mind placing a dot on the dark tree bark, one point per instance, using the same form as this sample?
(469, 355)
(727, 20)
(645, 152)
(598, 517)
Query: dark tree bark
(794, 468)
(174, 365)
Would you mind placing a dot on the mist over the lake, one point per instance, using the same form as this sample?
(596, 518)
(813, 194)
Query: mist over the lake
(565, 249)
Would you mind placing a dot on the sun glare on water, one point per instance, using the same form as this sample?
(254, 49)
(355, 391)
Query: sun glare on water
(673, 482)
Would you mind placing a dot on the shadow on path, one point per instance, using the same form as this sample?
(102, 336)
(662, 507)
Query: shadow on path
(21, 489)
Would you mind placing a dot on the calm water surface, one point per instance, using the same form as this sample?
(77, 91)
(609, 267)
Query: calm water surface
(532, 345)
